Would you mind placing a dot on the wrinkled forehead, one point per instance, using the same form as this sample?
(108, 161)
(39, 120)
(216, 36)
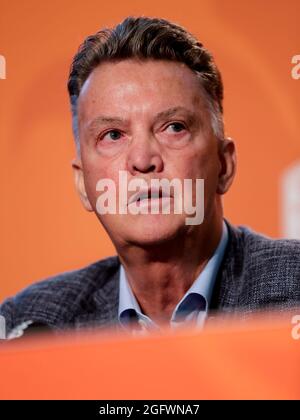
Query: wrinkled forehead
(134, 86)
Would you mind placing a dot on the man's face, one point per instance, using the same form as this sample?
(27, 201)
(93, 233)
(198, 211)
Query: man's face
(147, 118)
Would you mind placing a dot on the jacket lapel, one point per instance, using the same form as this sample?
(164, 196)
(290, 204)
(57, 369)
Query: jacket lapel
(103, 312)
(229, 280)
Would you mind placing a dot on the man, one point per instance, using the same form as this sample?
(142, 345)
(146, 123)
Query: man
(147, 103)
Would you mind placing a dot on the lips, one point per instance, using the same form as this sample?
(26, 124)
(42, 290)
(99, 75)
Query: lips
(149, 193)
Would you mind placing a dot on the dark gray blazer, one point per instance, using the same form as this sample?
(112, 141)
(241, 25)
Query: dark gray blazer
(256, 273)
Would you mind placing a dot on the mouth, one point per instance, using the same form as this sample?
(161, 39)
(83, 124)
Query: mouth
(150, 194)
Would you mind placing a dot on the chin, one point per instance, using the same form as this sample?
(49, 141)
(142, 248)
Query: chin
(154, 229)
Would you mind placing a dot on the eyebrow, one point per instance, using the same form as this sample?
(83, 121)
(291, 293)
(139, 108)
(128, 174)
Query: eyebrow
(102, 119)
(171, 112)
(168, 113)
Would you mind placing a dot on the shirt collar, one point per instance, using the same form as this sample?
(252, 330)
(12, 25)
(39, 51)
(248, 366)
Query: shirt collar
(202, 287)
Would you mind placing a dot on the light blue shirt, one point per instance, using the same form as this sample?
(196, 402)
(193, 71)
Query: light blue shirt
(192, 307)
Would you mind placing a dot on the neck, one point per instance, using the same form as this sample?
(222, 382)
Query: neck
(161, 274)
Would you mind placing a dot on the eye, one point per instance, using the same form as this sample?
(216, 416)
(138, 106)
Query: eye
(176, 127)
(112, 135)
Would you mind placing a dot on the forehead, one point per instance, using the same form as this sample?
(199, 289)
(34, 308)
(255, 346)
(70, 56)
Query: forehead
(139, 86)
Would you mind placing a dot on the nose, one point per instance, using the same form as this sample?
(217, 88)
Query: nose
(144, 156)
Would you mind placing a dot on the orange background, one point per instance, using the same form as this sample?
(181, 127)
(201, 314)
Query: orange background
(44, 230)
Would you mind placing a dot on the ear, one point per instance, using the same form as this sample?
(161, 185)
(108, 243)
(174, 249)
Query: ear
(79, 183)
(227, 156)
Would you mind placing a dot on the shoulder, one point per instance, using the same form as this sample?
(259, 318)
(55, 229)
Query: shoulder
(265, 271)
(265, 253)
(54, 301)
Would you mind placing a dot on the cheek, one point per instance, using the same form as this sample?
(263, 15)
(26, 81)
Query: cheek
(201, 162)
(95, 170)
